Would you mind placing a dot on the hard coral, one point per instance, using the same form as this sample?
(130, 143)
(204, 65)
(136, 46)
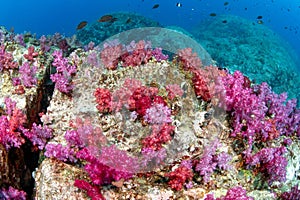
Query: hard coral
(235, 193)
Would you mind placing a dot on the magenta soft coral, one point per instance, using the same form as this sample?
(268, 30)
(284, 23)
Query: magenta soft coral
(111, 164)
(64, 72)
(271, 162)
(92, 190)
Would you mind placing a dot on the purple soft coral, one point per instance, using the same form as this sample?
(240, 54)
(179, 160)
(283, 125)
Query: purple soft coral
(64, 73)
(28, 74)
(271, 163)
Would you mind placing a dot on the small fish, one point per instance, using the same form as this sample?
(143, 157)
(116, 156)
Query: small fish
(224, 21)
(178, 4)
(155, 6)
(81, 25)
(128, 21)
(226, 3)
(107, 18)
(259, 17)
(260, 21)
(212, 14)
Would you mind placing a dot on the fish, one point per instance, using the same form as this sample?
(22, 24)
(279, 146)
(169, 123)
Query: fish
(259, 17)
(81, 25)
(224, 21)
(178, 4)
(260, 21)
(212, 14)
(107, 18)
(128, 21)
(155, 6)
(226, 3)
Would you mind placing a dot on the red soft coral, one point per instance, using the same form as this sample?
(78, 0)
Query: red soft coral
(160, 135)
(137, 54)
(178, 177)
(103, 99)
(31, 54)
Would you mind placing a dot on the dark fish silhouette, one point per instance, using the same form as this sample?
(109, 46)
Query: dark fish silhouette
(155, 6)
(178, 4)
(212, 14)
(128, 21)
(81, 25)
(226, 3)
(259, 17)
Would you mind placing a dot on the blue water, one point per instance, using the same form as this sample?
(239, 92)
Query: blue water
(49, 17)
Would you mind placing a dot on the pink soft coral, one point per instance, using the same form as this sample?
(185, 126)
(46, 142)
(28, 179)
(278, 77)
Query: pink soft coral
(190, 60)
(6, 60)
(110, 56)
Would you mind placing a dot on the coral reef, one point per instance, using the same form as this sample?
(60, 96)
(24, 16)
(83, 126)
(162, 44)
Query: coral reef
(128, 121)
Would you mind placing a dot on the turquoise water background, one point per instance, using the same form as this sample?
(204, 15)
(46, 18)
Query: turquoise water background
(48, 17)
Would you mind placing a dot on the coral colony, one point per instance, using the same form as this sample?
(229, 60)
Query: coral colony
(124, 146)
